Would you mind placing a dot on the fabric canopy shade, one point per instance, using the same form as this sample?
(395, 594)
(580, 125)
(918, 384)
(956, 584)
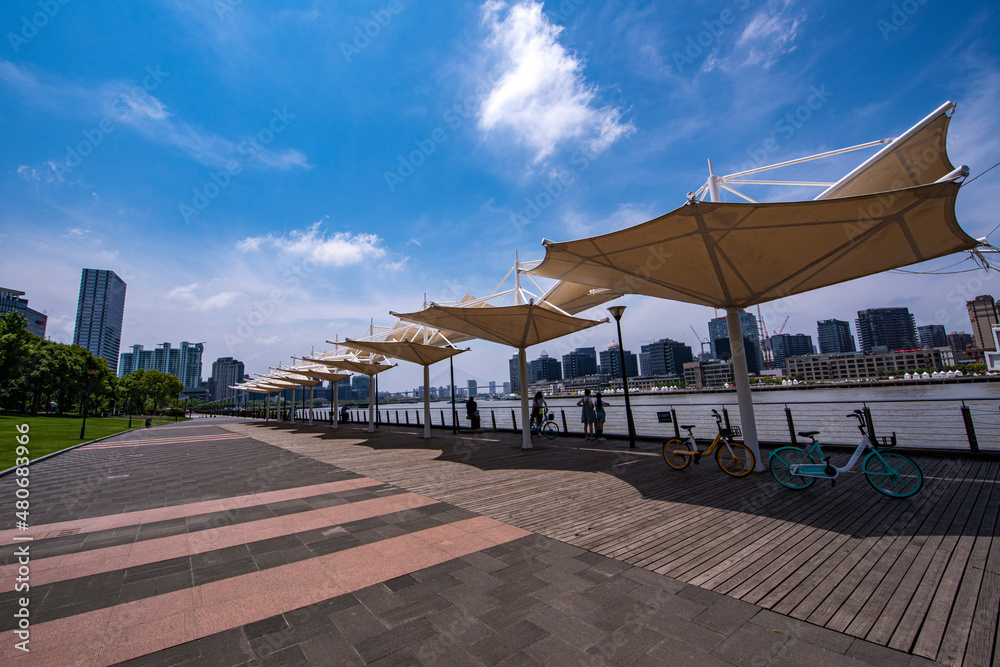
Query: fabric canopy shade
(573, 298)
(362, 367)
(734, 255)
(323, 373)
(520, 326)
(416, 353)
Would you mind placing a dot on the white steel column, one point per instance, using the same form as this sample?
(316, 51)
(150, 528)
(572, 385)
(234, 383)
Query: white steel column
(335, 417)
(311, 387)
(427, 401)
(371, 404)
(741, 378)
(522, 363)
(267, 406)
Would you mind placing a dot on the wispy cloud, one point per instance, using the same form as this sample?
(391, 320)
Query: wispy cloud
(194, 297)
(541, 96)
(127, 104)
(770, 34)
(338, 249)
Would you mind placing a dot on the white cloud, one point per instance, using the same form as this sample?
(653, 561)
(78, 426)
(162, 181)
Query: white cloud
(541, 95)
(195, 298)
(339, 249)
(770, 34)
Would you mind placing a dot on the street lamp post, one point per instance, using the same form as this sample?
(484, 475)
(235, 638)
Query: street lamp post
(616, 312)
(86, 399)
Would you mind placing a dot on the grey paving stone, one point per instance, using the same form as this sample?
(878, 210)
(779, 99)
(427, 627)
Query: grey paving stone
(700, 595)
(554, 652)
(568, 628)
(455, 627)
(388, 642)
(653, 580)
(726, 615)
(330, 650)
(562, 562)
(564, 580)
(403, 658)
(796, 653)
(678, 629)
(483, 562)
(877, 655)
(378, 598)
(626, 644)
(561, 599)
(609, 591)
(503, 616)
(621, 612)
(807, 632)
(506, 642)
(439, 652)
(470, 600)
(357, 623)
(520, 659)
(418, 609)
(478, 579)
(750, 645)
(672, 652)
(666, 602)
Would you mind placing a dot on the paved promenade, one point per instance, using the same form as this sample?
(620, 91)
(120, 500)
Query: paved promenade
(219, 542)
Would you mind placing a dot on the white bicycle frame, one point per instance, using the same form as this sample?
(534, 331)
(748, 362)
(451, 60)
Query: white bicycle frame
(822, 469)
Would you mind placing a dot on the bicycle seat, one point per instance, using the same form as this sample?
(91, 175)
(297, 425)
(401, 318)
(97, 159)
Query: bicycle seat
(687, 426)
(808, 434)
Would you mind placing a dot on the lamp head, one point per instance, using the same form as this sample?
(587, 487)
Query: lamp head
(616, 312)
(91, 371)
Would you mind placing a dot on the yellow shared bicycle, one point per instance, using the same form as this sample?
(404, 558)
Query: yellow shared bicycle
(734, 458)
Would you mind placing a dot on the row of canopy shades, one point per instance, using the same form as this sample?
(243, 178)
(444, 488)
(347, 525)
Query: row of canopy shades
(895, 209)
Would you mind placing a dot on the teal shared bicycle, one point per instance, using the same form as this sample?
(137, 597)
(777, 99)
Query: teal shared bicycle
(890, 473)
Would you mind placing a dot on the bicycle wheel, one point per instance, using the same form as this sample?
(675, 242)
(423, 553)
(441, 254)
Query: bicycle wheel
(735, 459)
(782, 459)
(893, 474)
(677, 461)
(550, 430)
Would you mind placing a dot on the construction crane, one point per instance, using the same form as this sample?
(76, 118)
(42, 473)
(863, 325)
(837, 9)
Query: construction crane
(765, 342)
(782, 326)
(703, 342)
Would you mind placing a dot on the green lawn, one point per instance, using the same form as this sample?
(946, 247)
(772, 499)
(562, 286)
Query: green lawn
(51, 434)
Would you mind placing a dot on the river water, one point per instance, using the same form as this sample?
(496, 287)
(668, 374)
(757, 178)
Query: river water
(927, 415)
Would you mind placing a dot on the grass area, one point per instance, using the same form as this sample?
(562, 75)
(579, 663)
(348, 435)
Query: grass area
(52, 434)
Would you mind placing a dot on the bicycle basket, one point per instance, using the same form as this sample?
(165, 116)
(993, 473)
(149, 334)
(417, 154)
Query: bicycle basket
(887, 443)
(732, 432)
(549, 417)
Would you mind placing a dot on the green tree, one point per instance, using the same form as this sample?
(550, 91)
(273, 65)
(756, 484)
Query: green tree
(15, 348)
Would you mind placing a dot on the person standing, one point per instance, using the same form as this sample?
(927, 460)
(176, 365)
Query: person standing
(538, 407)
(588, 416)
(599, 416)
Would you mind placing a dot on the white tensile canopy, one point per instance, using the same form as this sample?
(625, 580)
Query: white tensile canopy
(362, 367)
(416, 353)
(520, 326)
(896, 209)
(322, 373)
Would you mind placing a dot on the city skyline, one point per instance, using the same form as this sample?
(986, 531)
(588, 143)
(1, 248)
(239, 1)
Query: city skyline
(295, 204)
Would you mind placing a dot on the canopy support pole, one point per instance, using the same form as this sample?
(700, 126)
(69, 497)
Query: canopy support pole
(427, 401)
(522, 363)
(741, 378)
(311, 387)
(335, 388)
(267, 406)
(292, 413)
(371, 405)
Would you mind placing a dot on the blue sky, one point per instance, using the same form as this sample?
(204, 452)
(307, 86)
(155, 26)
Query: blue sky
(267, 176)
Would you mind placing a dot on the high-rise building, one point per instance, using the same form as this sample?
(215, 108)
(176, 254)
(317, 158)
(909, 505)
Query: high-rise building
(959, 341)
(718, 329)
(886, 329)
(515, 375)
(579, 363)
(785, 346)
(724, 353)
(226, 372)
(100, 311)
(931, 336)
(544, 368)
(183, 362)
(664, 357)
(835, 336)
(11, 302)
(611, 363)
(493, 387)
(473, 387)
(984, 315)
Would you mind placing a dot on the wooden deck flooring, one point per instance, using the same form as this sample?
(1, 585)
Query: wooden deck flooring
(921, 575)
